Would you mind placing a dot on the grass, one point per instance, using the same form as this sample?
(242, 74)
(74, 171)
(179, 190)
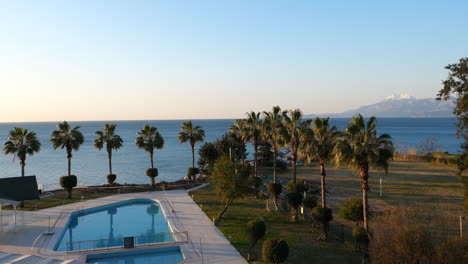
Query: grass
(59, 198)
(418, 184)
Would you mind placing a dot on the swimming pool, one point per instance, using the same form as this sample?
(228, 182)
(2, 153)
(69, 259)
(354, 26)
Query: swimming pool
(106, 226)
(166, 255)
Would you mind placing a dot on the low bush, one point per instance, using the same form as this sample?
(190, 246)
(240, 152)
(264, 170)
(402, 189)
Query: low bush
(68, 183)
(300, 186)
(111, 178)
(352, 210)
(192, 173)
(255, 230)
(310, 202)
(255, 183)
(360, 235)
(294, 201)
(275, 189)
(279, 164)
(318, 213)
(275, 251)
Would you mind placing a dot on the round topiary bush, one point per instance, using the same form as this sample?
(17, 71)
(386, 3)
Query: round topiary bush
(275, 251)
(192, 172)
(111, 178)
(255, 183)
(310, 202)
(318, 214)
(68, 183)
(352, 210)
(360, 235)
(275, 189)
(300, 186)
(152, 172)
(255, 230)
(294, 199)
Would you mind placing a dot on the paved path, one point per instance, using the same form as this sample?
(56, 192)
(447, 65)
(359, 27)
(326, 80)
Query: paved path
(208, 244)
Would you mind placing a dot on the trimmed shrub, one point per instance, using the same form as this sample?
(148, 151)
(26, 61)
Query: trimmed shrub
(360, 235)
(300, 186)
(294, 199)
(255, 183)
(152, 172)
(352, 210)
(275, 189)
(68, 183)
(279, 164)
(111, 178)
(275, 251)
(310, 202)
(192, 172)
(255, 230)
(318, 213)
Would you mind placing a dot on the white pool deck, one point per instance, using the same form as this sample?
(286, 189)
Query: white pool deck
(208, 244)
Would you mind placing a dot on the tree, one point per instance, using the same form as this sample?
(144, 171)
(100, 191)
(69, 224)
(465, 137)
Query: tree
(274, 133)
(318, 145)
(361, 148)
(252, 134)
(351, 210)
(108, 139)
(208, 154)
(275, 251)
(149, 139)
(294, 201)
(457, 84)
(255, 230)
(191, 134)
(231, 182)
(296, 129)
(275, 189)
(21, 143)
(429, 145)
(231, 145)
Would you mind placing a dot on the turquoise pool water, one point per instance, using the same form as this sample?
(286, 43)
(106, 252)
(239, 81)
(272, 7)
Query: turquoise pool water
(166, 255)
(106, 226)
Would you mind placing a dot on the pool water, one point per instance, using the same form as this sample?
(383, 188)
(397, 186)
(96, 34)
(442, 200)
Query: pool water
(167, 255)
(109, 224)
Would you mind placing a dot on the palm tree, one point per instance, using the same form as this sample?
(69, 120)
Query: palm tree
(192, 134)
(319, 145)
(253, 133)
(237, 132)
(295, 129)
(273, 132)
(67, 138)
(150, 139)
(111, 141)
(21, 143)
(360, 148)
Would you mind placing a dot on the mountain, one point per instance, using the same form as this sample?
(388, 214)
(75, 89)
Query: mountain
(402, 105)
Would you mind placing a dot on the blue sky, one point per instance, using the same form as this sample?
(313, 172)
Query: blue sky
(113, 60)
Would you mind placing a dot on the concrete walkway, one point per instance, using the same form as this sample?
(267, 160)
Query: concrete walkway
(207, 244)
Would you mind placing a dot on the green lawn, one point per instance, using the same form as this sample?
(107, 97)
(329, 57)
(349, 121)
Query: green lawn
(59, 198)
(409, 183)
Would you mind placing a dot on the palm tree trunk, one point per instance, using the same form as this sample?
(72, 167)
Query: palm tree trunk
(69, 156)
(23, 164)
(323, 174)
(275, 153)
(193, 155)
(255, 158)
(364, 175)
(109, 155)
(151, 158)
(294, 171)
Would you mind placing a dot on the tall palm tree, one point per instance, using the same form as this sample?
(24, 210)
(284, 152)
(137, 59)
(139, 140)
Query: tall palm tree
(253, 133)
(360, 148)
(108, 139)
(67, 138)
(238, 131)
(21, 143)
(319, 146)
(273, 132)
(149, 139)
(295, 129)
(192, 134)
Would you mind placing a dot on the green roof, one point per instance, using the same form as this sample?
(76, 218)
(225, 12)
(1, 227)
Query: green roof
(19, 188)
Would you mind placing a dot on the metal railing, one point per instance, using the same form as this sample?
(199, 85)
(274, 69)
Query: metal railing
(119, 242)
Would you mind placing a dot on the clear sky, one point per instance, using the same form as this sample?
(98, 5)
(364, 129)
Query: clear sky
(124, 60)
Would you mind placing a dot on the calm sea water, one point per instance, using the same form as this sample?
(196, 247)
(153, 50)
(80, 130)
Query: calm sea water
(130, 163)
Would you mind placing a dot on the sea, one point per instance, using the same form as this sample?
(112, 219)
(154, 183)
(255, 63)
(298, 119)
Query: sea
(130, 163)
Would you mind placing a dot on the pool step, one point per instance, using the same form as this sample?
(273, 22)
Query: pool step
(8, 258)
(27, 259)
(51, 261)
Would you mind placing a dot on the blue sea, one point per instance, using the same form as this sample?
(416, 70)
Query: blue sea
(130, 163)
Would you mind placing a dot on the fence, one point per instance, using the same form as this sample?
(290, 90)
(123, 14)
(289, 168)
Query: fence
(121, 242)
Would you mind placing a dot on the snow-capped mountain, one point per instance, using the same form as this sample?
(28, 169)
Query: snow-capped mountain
(402, 105)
